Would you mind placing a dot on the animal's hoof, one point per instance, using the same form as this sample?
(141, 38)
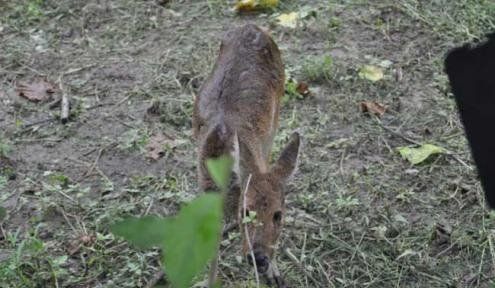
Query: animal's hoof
(280, 283)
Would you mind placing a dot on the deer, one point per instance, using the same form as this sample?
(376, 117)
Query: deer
(236, 112)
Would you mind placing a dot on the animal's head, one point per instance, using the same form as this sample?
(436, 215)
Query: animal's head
(261, 207)
(250, 44)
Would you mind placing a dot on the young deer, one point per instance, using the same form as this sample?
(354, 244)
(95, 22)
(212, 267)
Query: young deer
(236, 113)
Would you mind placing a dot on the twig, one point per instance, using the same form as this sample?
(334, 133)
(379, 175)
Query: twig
(447, 152)
(148, 209)
(399, 134)
(25, 126)
(75, 70)
(62, 211)
(341, 163)
(64, 113)
(299, 265)
(329, 281)
(65, 105)
(120, 102)
(445, 250)
(244, 206)
(95, 162)
(212, 275)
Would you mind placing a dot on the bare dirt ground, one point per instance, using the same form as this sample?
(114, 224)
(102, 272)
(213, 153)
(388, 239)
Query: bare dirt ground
(358, 214)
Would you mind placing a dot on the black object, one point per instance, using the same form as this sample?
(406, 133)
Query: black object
(471, 72)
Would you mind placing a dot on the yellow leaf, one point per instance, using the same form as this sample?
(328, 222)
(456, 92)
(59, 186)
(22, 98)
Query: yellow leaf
(371, 73)
(268, 3)
(419, 154)
(245, 5)
(288, 19)
(252, 5)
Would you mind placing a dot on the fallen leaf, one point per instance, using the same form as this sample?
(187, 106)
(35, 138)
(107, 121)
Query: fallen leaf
(288, 20)
(339, 143)
(85, 240)
(155, 146)
(254, 5)
(36, 91)
(160, 143)
(307, 12)
(401, 219)
(371, 73)
(302, 88)
(380, 232)
(385, 63)
(419, 154)
(373, 107)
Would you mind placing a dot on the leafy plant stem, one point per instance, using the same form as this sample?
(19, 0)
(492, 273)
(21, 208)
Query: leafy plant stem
(246, 232)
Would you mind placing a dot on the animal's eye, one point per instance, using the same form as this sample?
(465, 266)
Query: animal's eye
(277, 217)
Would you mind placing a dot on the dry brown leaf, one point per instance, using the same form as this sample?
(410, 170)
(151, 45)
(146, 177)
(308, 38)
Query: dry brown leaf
(36, 91)
(155, 146)
(303, 89)
(373, 107)
(84, 240)
(159, 143)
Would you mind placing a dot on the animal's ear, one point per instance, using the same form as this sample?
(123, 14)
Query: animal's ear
(286, 164)
(218, 141)
(247, 160)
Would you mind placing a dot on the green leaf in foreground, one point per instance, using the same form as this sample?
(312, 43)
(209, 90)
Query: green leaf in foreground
(192, 239)
(220, 169)
(189, 240)
(3, 213)
(143, 232)
(419, 154)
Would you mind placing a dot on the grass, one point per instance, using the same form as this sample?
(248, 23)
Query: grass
(358, 214)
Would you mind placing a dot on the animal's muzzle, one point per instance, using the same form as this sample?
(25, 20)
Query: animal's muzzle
(262, 261)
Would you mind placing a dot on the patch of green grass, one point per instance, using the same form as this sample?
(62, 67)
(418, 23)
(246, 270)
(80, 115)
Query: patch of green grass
(26, 12)
(318, 68)
(357, 214)
(5, 147)
(460, 20)
(31, 263)
(291, 92)
(134, 140)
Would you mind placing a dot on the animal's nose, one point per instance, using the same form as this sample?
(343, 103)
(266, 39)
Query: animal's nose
(262, 261)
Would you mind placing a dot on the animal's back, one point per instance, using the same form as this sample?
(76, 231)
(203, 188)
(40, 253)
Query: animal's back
(246, 84)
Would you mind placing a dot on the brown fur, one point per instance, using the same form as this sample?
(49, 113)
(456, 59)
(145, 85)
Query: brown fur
(239, 104)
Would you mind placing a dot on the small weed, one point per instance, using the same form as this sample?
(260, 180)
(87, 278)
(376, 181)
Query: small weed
(33, 9)
(31, 263)
(194, 232)
(134, 140)
(3, 182)
(291, 92)
(345, 202)
(318, 69)
(25, 12)
(5, 147)
(334, 23)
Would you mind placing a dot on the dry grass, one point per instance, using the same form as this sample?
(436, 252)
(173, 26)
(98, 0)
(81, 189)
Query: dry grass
(358, 215)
